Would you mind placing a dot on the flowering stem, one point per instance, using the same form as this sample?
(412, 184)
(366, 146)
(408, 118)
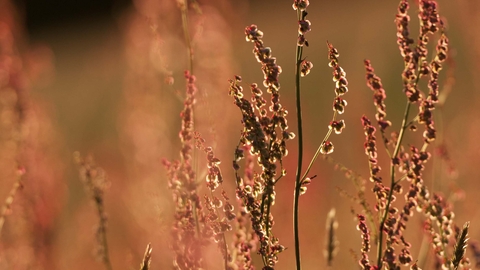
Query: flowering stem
(183, 5)
(392, 185)
(103, 235)
(298, 61)
(317, 153)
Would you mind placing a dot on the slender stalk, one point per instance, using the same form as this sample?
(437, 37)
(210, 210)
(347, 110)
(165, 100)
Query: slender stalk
(103, 235)
(384, 140)
(392, 185)
(298, 60)
(188, 42)
(423, 252)
(186, 33)
(355, 177)
(317, 153)
(402, 130)
(226, 251)
(195, 216)
(94, 180)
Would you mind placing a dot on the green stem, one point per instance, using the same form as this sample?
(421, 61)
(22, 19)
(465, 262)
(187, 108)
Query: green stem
(298, 60)
(392, 185)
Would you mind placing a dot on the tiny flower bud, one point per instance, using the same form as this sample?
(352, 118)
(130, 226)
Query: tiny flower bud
(327, 148)
(300, 4)
(252, 33)
(339, 105)
(306, 181)
(304, 27)
(337, 126)
(305, 68)
(302, 41)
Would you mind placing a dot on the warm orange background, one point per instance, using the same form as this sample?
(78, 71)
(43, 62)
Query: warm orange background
(101, 84)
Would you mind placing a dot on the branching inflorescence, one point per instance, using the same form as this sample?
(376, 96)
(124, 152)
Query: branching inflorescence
(197, 223)
(265, 132)
(392, 220)
(216, 224)
(186, 230)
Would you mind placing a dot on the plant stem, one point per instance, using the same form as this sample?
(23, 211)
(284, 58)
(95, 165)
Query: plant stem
(184, 10)
(298, 60)
(317, 153)
(103, 234)
(392, 185)
(186, 32)
(402, 131)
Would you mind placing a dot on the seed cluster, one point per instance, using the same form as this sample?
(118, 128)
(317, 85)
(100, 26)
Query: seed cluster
(379, 96)
(304, 26)
(265, 133)
(187, 239)
(339, 104)
(365, 234)
(244, 239)
(196, 223)
(411, 164)
(216, 224)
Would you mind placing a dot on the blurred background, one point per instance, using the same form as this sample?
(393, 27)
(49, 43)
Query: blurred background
(105, 78)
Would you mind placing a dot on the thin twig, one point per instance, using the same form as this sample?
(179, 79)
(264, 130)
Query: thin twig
(184, 9)
(94, 180)
(392, 185)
